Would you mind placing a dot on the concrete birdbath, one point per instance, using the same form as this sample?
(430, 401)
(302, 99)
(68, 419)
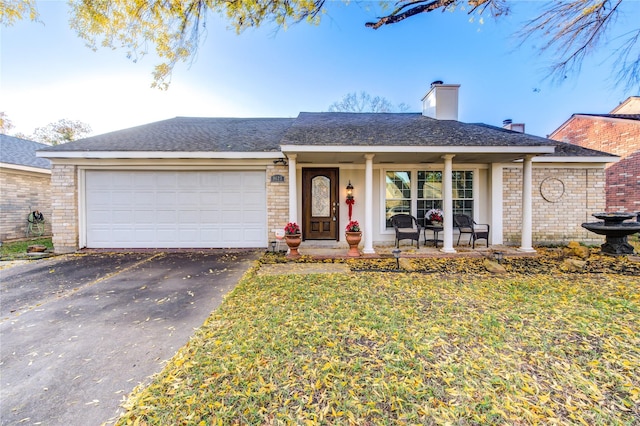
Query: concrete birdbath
(616, 230)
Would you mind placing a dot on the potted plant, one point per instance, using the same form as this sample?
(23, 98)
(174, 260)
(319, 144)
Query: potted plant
(353, 236)
(435, 216)
(293, 238)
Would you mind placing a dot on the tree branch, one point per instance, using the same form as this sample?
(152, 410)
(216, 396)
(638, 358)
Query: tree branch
(395, 16)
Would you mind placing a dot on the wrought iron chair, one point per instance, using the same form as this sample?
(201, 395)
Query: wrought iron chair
(466, 225)
(407, 228)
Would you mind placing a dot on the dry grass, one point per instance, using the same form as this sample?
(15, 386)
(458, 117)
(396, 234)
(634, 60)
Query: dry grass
(374, 348)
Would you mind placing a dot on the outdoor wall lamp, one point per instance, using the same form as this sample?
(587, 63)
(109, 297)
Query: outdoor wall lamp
(350, 200)
(280, 161)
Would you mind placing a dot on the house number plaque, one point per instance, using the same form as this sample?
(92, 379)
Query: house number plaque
(277, 178)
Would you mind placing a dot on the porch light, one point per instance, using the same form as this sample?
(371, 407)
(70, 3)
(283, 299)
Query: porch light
(396, 254)
(349, 191)
(498, 255)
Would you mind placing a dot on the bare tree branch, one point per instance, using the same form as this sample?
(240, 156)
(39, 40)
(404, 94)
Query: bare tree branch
(408, 8)
(576, 29)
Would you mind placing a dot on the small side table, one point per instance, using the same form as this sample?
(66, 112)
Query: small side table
(436, 230)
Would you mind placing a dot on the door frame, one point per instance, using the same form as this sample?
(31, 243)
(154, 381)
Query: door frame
(306, 198)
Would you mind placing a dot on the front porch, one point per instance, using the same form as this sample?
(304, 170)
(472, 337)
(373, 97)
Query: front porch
(319, 250)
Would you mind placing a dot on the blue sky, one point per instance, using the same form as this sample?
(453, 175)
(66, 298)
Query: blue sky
(47, 73)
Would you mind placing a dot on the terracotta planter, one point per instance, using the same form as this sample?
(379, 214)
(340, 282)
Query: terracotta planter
(293, 241)
(353, 239)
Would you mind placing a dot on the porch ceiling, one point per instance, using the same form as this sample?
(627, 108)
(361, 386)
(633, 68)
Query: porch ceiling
(333, 157)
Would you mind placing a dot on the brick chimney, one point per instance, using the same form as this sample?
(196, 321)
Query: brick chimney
(441, 102)
(510, 125)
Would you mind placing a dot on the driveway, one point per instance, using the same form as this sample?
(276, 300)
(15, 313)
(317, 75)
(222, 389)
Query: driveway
(79, 332)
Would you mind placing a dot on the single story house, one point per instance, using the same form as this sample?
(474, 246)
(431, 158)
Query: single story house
(232, 182)
(25, 186)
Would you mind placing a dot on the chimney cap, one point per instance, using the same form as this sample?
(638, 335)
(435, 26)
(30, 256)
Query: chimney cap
(507, 122)
(436, 82)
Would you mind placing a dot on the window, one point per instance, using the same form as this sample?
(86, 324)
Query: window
(401, 198)
(397, 195)
(429, 192)
(463, 192)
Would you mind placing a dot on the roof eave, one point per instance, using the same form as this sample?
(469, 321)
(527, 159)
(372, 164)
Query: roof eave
(24, 168)
(484, 149)
(576, 159)
(160, 154)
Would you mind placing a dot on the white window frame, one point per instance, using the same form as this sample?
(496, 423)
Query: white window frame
(413, 177)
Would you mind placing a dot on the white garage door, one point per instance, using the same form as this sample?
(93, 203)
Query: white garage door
(175, 209)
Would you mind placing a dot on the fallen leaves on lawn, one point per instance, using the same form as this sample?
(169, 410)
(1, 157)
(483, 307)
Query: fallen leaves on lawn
(371, 348)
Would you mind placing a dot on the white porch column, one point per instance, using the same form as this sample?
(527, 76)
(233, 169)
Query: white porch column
(527, 206)
(497, 231)
(293, 189)
(368, 205)
(447, 195)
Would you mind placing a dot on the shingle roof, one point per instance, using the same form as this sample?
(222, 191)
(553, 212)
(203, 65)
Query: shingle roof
(564, 149)
(190, 134)
(22, 152)
(407, 129)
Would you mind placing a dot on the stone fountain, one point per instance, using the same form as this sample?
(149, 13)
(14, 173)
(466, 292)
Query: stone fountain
(616, 230)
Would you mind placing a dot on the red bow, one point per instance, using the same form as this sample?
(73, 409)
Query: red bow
(350, 202)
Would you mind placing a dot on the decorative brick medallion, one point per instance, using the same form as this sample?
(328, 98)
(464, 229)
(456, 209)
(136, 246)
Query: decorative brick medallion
(552, 189)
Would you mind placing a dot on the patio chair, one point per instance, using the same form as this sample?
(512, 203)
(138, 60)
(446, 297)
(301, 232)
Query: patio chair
(407, 228)
(466, 225)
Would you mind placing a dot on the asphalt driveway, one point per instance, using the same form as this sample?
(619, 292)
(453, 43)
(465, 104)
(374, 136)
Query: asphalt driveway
(79, 332)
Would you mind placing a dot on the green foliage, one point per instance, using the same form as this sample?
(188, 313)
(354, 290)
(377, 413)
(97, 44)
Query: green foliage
(373, 348)
(174, 28)
(572, 29)
(62, 131)
(17, 10)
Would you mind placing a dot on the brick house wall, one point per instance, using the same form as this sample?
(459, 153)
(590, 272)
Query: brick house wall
(623, 184)
(20, 193)
(562, 198)
(64, 208)
(615, 136)
(277, 200)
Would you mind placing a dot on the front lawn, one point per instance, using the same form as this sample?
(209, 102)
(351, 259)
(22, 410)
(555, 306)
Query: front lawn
(394, 348)
(18, 249)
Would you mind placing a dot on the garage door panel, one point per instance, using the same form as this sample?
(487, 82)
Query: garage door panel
(165, 216)
(122, 198)
(189, 234)
(146, 216)
(145, 198)
(210, 234)
(164, 209)
(189, 217)
(188, 180)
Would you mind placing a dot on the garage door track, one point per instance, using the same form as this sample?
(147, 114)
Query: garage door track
(79, 332)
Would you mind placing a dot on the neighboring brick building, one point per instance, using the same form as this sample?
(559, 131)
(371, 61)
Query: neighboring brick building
(25, 185)
(616, 133)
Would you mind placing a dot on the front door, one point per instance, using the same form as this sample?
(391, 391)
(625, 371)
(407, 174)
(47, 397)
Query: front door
(320, 204)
